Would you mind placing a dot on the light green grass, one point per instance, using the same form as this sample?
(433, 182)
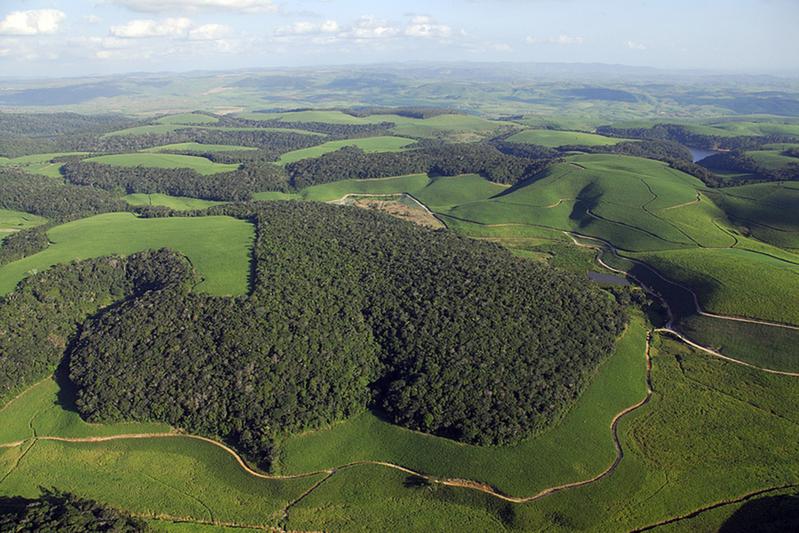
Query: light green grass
(39, 410)
(200, 165)
(555, 138)
(367, 144)
(199, 148)
(12, 221)
(187, 119)
(578, 447)
(178, 203)
(154, 129)
(217, 246)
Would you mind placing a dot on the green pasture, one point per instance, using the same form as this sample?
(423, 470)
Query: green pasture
(187, 119)
(200, 165)
(367, 144)
(217, 246)
(578, 447)
(154, 129)
(555, 138)
(199, 148)
(178, 203)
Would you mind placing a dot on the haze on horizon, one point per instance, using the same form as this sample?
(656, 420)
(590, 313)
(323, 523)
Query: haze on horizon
(44, 38)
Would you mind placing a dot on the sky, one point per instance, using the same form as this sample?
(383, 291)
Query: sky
(47, 38)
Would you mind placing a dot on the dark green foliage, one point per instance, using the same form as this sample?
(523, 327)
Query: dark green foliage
(272, 142)
(23, 243)
(56, 512)
(352, 309)
(683, 135)
(52, 199)
(236, 185)
(529, 151)
(436, 159)
(30, 133)
(38, 319)
(791, 152)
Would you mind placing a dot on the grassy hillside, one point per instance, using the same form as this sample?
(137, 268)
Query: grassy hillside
(218, 247)
(11, 221)
(367, 144)
(198, 164)
(555, 138)
(178, 203)
(187, 118)
(41, 164)
(199, 148)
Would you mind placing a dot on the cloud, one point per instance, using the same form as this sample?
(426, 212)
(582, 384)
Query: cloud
(562, 40)
(209, 32)
(34, 22)
(92, 19)
(426, 27)
(632, 45)
(156, 6)
(369, 28)
(137, 29)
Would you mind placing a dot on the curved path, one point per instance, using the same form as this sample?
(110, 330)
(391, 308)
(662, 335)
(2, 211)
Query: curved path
(450, 482)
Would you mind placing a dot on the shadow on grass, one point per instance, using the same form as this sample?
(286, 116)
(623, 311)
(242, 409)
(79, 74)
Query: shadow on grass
(769, 514)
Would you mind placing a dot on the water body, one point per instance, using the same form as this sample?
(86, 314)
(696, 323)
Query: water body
(698, 154)
(608, 279)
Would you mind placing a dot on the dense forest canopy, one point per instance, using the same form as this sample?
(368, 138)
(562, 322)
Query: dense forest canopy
(352, 309)
(65, 513)
(39, 318)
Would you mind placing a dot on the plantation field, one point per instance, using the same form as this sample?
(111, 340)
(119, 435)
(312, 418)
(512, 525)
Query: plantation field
(555, 138)
(200, 165)
(766, 346)
(730, 281)
(698, 441)
(12, 221)
(164, 477)
(519, 470)
(199, 148)
(217, 246)
(187, 119)
(178, 203)
(367, 144)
